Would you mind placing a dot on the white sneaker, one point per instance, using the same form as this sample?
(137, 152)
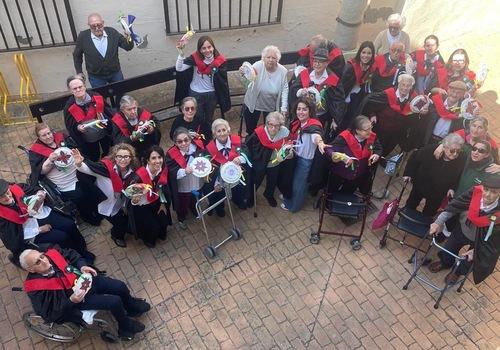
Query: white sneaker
(182, 225)
(282, 205)
(281, 197)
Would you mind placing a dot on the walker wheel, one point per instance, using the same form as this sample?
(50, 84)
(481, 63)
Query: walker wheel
(210, 252)
(383, 243)
(235, 233)
(355, 244)
(386, 194)
(108, 337)
(436, 306)
(459, 289)
(314, 238)
(405, 287)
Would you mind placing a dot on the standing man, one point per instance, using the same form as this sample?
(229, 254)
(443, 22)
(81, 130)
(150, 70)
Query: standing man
(100, 46)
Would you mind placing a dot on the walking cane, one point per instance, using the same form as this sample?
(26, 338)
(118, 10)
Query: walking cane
(254, 201)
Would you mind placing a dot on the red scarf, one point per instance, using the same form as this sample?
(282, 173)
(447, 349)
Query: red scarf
(64, 282)
(13, 215)
(176, 154)
(441, 109)
(296, 129)
(144, 175)
(331, 55)
(361, 76)
(445, 77)
(217, 155)
(43, 149)
(355, 147)
(116, 180)
(264, 139)
(420, 58)
(331, 80)
(381, 64)
(204, 68)
(394, 102)
(475, 204)
(95, 109)
(122, 123)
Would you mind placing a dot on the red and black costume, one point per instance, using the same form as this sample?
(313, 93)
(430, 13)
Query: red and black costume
(336, 61)
(197, 125)
(437, 110)
(425, 69)
(385, 72)
(445, 76)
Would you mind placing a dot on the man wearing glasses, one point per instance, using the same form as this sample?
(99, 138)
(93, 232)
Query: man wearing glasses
(387, 67)
(100, 46)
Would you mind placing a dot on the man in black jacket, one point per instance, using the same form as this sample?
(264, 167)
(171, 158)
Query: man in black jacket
(100, 45)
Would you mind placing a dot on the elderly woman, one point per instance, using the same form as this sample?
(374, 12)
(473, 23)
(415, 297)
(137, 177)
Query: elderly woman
(434, 179)
(354, 77)
(87, 108)
(112, 177)
(264, 147)
(390, 113)
(269, 91)
(198, 128)
(149, 212)
(207, 83)
(358, 141)
(181, 180)
(308, 135)
(426, 62)
(455, 69)
(329, 95)
(135, 126)
(394, 32)
(72, 185)
(222, 149)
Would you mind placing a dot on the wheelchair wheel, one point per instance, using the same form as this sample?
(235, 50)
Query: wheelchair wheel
(64, 333)
(210, 252)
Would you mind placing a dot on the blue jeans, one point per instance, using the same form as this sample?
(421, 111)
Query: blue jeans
(299, 185)
(206, 105)
(96, 80)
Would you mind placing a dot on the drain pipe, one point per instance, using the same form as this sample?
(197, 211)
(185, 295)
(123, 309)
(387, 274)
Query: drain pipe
(349, 21)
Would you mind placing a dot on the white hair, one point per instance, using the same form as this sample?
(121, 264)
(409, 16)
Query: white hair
(407, 77)
(23, 256)
(396, 17)
(273, 49)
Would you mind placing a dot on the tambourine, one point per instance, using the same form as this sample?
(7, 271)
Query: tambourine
(283, 152)
(201, 166)
(35, 205)
(409, 66)
(137, 189)
(249, 71)
(482, 72)
(313, 93)
(84, 283)
(468, 107)
(64, 157)
(419, 102)
(230, 173)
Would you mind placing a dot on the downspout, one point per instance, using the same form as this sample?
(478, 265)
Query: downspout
(349, 21)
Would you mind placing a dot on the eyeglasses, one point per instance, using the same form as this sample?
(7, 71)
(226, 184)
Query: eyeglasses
(120, 157)
(39, 261)
(407, 86)
(189, 108)
(44, 136)
(394, 28)
(479, 150)
(458, 61)
(396, 50)
(316, 61)
(95, 26)
(180, 142)
(454, 150)
(76, 88)
(273, 126)
(367, 130)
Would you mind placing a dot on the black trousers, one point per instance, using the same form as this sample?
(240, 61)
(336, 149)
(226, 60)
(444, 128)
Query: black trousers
(432, 203)
(454, 243)
(252, 119)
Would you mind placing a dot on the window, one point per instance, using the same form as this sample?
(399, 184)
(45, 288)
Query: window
(210, 15)
(30, 24)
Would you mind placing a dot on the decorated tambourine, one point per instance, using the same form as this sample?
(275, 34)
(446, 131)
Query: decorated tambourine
(284, 151)
(137, 189)
(35, 205)
(249, 71)
(83, 283)
(482, 72)
(313, 93)
(64, 157)
(419, 103)
(230, 173)
(298, 69)
(99, 123)
(201, 166)
(468, 107)
(184, 40)
(409, 66)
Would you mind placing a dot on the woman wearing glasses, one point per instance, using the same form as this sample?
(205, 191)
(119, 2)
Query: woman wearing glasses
(197, 127)
(266, 152)
(394, 32)
(183, 184)
(112, 177)
(149, 212)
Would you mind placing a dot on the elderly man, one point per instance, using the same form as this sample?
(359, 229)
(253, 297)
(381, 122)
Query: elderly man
(394, 32)
(100, 46)
(387, 67)
(331, 97)
(390, 113)
(135, 126)
(336, 61)
(50, 285)
(19, 229)
(434, 179)
(479, 210)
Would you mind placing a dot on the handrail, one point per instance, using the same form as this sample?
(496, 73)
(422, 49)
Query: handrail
(110, 91)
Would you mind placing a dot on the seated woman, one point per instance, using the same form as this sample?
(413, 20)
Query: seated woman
(112, 177)
(197, 127)
(222, 149)
(269, 91)
(85, 108)
(308, 134)
(426, 62)
(360, 142)
(136, 126)
(72, 185)
(150, 212)
(263, 147)
(181, 180)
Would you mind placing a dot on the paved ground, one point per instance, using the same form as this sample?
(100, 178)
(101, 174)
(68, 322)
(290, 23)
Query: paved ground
(272, 289)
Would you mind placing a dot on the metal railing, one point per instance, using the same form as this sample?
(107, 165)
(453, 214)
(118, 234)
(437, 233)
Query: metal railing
(210, 15)
(32, 24)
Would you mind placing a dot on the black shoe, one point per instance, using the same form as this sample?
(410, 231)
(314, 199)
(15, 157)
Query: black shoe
(150, 244)
(129, 331)
(138, 307)
(272, 202)
(14, 261)
(92, 220)
(119, 242)
(241, 206)
(220, 213)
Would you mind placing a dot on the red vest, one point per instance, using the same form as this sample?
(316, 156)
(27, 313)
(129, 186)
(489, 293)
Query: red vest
(354, 145)
(95, 109)
(11, 214)
(45, 150)
(394, 102)
(445, 77)
(176, 154)
(217, 155)
(264, 139)
(203, 68)
(116, 181)
(295, 129)
(381, 64)
(475, 204)
(361, 77)
(441, 109)
(331, 80)
(121, 123)
(64, 282)
(419, 58)
(144, 175)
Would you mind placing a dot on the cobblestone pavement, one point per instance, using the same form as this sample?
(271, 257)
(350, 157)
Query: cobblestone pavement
(272, 289)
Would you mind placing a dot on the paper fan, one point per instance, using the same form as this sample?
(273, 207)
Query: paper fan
(64, 157)
(136, 189)
(419, 102)
(468, 107)
(482, 72)
(249, 71)
(409, 64)
(35, 205)
(84, 283)
(201, 166)
(313, 93)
